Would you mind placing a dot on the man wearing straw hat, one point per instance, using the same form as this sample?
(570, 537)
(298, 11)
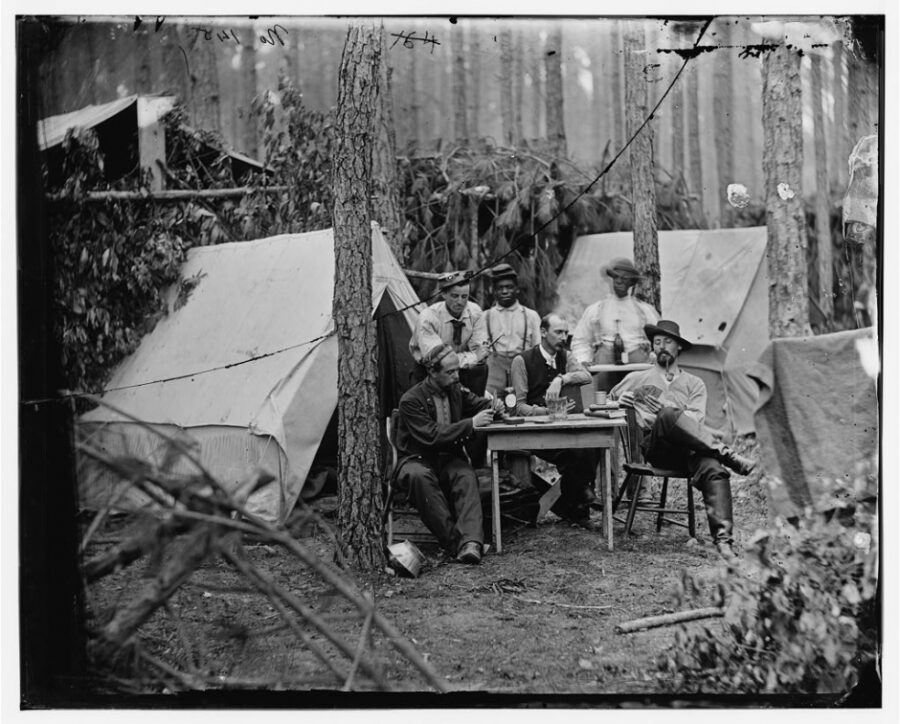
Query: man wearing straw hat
(670, 406)
(619, 313)
(509, 327)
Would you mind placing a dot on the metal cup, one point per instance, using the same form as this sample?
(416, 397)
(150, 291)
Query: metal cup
(600, 397)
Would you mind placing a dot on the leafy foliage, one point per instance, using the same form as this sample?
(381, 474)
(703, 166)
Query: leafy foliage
(806, 621)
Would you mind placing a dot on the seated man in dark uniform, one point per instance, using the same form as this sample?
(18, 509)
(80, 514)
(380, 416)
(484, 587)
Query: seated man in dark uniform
(670, 406)
(436, 416)
(537, 375)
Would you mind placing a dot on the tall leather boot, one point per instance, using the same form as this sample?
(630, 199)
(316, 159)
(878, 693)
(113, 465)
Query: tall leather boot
(683, 431)
(717, 499)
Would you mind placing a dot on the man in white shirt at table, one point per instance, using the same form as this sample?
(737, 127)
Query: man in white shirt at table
(538, 375)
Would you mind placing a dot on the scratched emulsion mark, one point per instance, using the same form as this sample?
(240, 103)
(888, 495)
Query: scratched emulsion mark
(752, 50)
(410, 40)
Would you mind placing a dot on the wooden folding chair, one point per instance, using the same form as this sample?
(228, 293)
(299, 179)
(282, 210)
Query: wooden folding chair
(408, 524)
(636, 471)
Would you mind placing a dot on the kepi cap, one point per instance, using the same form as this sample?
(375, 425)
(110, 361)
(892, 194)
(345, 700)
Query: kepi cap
(503, 271)
(452, 279)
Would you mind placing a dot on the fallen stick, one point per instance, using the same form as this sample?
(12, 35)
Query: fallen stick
(667, 619)
(563, 605)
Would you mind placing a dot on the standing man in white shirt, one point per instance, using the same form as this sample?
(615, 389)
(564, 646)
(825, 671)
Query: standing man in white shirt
(509, 327)
(619, 313)
(453, 321)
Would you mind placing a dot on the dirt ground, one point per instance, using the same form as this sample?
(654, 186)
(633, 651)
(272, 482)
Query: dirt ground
(537, 619)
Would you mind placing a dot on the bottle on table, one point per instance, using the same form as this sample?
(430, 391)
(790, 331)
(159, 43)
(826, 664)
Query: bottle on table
(619, 356)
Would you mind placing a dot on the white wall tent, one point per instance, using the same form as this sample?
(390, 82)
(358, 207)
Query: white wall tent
(241, 375)
(714, 283)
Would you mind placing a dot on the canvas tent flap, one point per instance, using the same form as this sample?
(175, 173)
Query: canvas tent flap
(247, 348)
(713, 283)
(817, 416)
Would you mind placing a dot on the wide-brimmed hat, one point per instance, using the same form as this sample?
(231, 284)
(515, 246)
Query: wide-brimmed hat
(668, 328)
(622, 267)
(503, 271)
(452, 279)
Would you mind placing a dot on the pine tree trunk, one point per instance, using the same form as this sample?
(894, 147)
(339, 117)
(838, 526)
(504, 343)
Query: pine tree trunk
(359, 456)
(385, 186)
(723, 104)
(415, 113)
(692, 107)
(556, 129)
(862, 100)
(246, 118)
(518, 74)
(474, 75)
(841, 137)
(678, 131)
(204, 103)
(616, 104)
(643, 191)
(782, 167)
(460, 107)
(537, 85)
(823, 197)
(506, 88)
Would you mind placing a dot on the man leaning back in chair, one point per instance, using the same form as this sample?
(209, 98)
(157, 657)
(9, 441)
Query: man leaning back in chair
(670, 406)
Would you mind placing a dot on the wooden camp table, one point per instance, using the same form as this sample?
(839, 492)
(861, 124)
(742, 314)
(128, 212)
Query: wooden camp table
(539, 433)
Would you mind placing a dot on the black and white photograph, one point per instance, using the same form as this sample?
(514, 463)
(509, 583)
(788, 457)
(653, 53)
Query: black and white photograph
(398, 359)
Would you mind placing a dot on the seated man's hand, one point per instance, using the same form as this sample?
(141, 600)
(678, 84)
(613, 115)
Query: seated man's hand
(570, 405)
(653, 404)
(626, 399)
(554, 389)
(483, 418)
(481, 354)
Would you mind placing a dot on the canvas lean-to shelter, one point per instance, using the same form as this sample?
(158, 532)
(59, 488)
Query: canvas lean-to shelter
(232, 365)
(714, 284)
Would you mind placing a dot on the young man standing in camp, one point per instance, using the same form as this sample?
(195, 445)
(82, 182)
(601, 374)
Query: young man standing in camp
(539, 375)
(436, 416)
(453, 322)
(621, 315)
(509, 327)
(670, 406)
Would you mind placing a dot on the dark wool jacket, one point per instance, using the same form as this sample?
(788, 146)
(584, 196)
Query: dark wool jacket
(418, 432)
(540, 375)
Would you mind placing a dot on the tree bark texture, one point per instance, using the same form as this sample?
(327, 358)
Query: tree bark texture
(360, 501)
(615, 77)
(246, 118)
(862, 99)
(537, 85)
(782, 168)
(518, 86)
(460, 106)
(678, 130)
(474, 76)
(506, 87)
(643, 190)
(823, 196)
(693, 131)
(840, 142)
(723, 103)
(556, 128)
(204, 87)
(385, 186)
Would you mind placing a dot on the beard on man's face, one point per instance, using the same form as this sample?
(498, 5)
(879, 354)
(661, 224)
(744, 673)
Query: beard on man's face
(664, 357)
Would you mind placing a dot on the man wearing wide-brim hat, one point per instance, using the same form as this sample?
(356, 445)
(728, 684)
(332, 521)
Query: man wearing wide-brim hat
(620, 312)
(509, 327)
(670, 406)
